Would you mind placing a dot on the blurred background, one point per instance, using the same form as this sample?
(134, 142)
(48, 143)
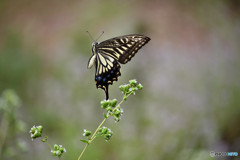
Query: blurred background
(190, 104)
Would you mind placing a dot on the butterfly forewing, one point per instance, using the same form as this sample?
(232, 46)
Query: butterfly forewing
(109, 53)
(122, 48)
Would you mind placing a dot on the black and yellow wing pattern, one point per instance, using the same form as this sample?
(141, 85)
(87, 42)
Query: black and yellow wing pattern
(108, 54)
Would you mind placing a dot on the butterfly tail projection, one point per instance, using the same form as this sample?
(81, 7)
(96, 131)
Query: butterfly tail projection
(103, 80)
(107, 94)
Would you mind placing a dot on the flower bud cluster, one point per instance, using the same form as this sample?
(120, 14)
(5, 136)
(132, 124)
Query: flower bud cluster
(106, 132)
(58, 150)
(130, 88)
(117, 113)
(108, 105)
(36, 131)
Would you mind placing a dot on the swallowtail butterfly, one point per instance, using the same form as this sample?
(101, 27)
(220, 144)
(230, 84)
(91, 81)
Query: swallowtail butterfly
(108, 54)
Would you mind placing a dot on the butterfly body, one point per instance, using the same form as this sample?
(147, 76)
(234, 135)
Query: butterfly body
(108, 54)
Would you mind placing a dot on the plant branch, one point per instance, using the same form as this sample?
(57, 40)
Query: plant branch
(100, 125)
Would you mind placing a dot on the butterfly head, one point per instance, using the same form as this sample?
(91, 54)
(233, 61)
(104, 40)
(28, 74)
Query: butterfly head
(94, 50)
(92, 59)
(94, 44)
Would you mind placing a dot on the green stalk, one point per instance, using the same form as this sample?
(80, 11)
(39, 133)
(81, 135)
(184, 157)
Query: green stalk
(94, 134)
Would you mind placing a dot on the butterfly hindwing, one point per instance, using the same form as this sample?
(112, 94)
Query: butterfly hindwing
(106, 73)
(108, 54)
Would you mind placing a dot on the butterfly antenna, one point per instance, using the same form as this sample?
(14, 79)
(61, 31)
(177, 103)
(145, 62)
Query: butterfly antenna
(100, 35)
(90, 35)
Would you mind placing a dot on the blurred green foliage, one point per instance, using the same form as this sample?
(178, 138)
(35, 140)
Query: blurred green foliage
(18, 65)
(11, 126)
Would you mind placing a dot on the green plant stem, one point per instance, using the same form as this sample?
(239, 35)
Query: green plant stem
(94, 134)
(93, 137)
(51, 148)
(49, 145)
(100, 125)
(83, 151)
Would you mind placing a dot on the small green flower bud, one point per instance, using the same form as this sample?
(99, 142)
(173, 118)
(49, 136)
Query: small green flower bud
(121, 87)
(134, 89)
(56, 147)
(57, 153)
(45, 139)
(116, 118)
(133, 82)
(100, 130)
(117, 111)
(40, 128)
(109, 132)
(139, 86)
(109, 109)
(105, 130)
(104, 104)
(86, 133)
(113, 102)
(127, 88)
(33, 129)
(124, 97)
(107, 136)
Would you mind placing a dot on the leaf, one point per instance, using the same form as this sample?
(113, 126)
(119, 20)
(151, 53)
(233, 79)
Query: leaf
(84, 141)
(105, 116)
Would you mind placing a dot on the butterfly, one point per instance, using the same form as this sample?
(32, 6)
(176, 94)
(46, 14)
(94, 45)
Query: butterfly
(108, 54)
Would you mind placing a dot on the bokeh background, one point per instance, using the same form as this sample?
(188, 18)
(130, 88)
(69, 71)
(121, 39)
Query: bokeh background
(190, 70)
